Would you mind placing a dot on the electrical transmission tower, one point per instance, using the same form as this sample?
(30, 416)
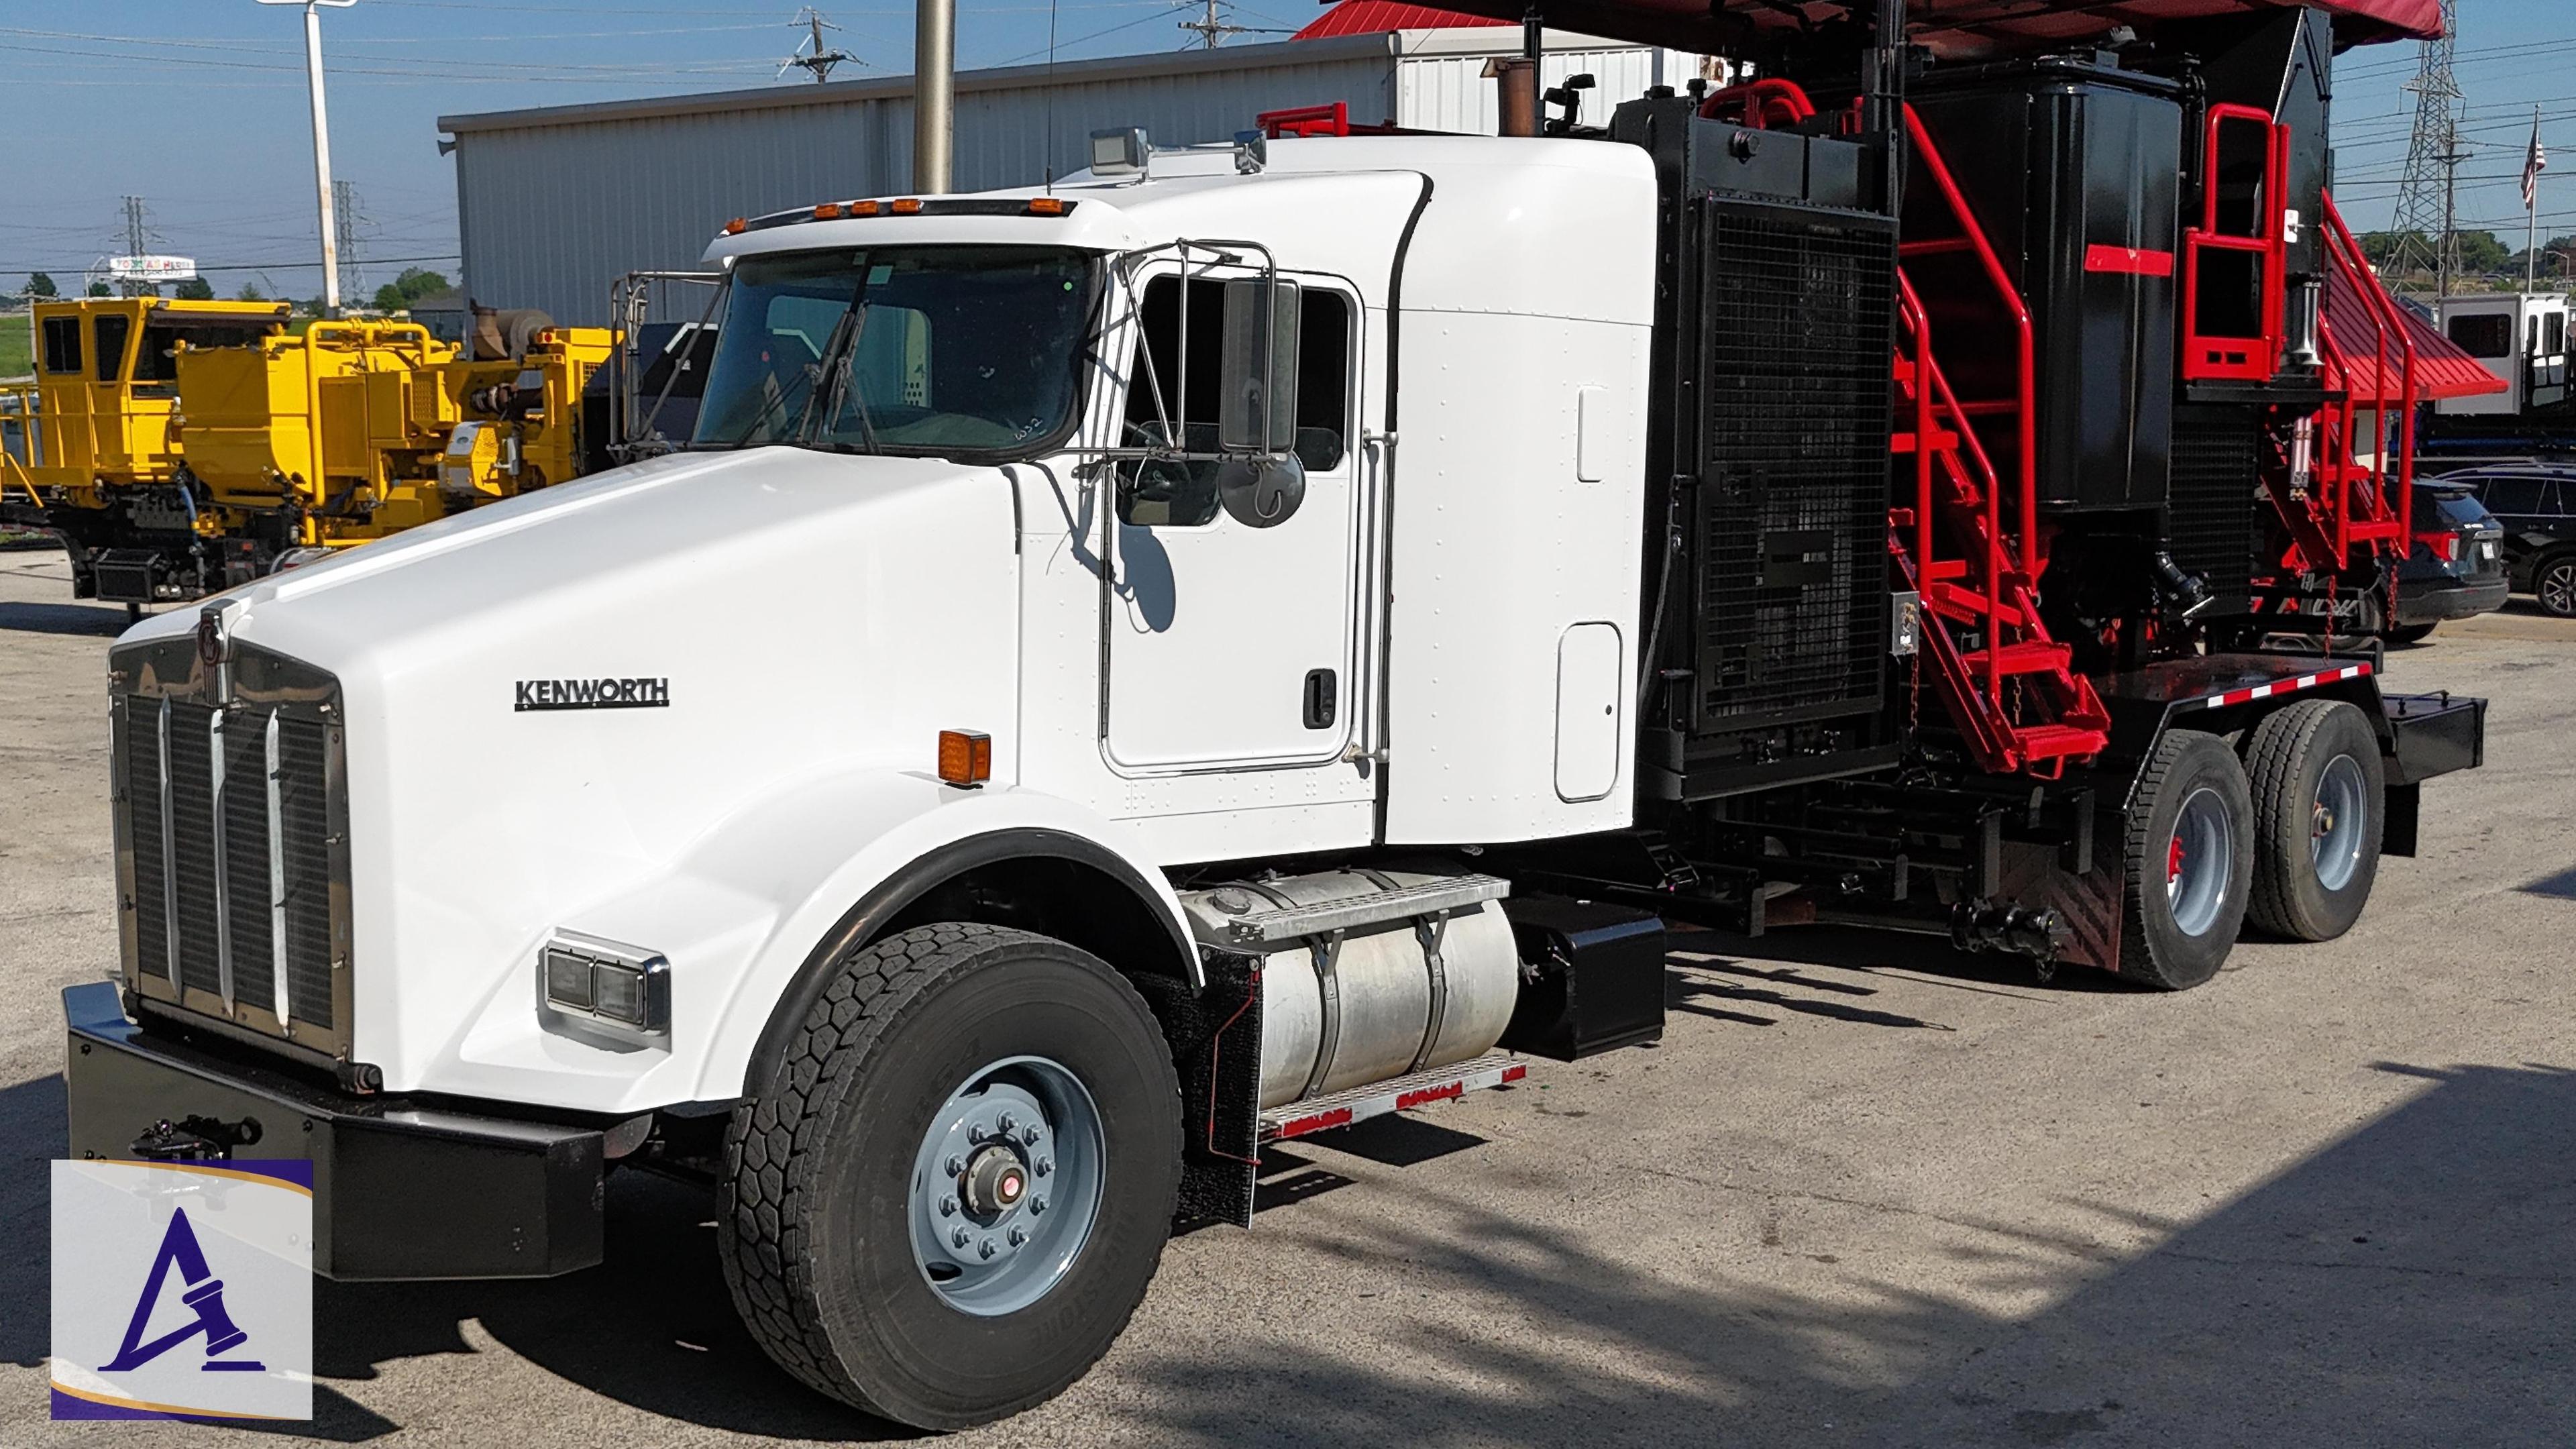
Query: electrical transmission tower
(2425, 238)
(345, 218)
(1213, 28)
(815, 61)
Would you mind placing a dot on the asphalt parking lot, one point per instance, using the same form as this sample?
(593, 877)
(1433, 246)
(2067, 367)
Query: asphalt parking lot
(1865, 1192)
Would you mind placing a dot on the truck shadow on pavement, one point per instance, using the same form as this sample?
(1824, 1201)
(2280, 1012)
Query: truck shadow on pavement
(100, 621)
(2414, 1281)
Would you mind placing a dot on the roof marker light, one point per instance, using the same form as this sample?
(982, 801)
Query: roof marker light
(736, 226)
(827, 211)
(905, 205)
(1046, 206)
(863, 208)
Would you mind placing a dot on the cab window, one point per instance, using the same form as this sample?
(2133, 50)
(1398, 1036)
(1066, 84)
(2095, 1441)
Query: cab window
(1174, 493)
(62, 344)
(109, 336)
(2487, 334)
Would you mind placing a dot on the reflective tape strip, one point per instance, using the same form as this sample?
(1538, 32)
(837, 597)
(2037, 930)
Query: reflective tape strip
(1403, 1099)
(2285, 686)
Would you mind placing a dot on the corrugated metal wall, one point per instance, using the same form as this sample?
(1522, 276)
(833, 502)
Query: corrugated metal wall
(554, 204)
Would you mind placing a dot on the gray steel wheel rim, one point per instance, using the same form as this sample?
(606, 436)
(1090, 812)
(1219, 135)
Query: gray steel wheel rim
(2558, 588)
(2200, 863)
(1055, 1137)
(2337, 823)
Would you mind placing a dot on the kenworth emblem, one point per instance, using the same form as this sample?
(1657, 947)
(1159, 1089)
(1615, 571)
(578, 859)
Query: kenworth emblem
(594, 693)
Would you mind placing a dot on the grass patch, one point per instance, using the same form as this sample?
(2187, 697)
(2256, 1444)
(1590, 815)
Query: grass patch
(17, 346)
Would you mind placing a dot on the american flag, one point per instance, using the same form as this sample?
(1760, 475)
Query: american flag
(2535, 161)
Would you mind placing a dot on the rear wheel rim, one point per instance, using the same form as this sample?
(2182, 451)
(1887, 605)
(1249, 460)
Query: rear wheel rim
(2558, 588)
(1006, 1187)
(2200, 860)
(2336, 823)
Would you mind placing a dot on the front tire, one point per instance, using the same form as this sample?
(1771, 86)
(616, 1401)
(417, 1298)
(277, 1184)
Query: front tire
(839, 1213)
(2187, 863)
(2318, 787)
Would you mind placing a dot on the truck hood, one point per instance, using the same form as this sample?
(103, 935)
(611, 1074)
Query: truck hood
(549, 701)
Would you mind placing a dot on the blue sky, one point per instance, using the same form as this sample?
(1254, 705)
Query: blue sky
(198, 106)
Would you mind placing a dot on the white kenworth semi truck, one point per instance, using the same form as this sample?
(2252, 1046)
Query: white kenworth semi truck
(1241, 640)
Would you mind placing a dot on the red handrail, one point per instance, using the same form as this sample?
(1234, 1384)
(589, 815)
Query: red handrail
(2266, 242)
(2347, 255)
(1758, 97)
(2025, 365)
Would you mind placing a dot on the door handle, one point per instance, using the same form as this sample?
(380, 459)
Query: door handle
(1323, 699)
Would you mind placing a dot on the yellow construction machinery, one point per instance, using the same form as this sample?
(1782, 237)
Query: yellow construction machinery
(179, 448)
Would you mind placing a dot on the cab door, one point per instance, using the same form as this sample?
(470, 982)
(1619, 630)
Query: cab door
(1230, 644)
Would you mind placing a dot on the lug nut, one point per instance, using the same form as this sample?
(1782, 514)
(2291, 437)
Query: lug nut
(961, 1237)
(1009, 1121)
(948, 1207)
(1045, 1165)
(1037, 1204)
(956, 1166)
(987, 1250)
(975, 1133)
(1019, 1236)
(1030, 1135)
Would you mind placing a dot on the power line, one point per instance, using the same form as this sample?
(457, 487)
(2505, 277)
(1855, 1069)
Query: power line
(2428, 191)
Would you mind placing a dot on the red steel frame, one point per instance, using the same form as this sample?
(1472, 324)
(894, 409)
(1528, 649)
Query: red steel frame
(2386, 518)
(2237, 359)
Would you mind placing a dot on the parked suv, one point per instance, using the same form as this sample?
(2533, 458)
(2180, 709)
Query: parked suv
(2535, 503)
(2456, 567)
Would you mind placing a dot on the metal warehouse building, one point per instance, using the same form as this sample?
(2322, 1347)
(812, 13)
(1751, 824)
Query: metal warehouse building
(554, 204)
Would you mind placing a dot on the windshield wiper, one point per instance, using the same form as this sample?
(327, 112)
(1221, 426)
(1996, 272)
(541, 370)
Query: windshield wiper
(838, 362)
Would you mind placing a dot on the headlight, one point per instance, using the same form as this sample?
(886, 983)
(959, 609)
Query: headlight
(591, 984)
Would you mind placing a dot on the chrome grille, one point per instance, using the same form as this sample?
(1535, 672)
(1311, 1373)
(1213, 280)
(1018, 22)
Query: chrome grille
(231, 847)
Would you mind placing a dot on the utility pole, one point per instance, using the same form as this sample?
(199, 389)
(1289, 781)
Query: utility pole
(817, 61)
(321, 146)
(2424, 193)
(934, 94)
(1213, 29)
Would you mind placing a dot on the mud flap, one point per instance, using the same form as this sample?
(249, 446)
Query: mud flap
(1215, 1035)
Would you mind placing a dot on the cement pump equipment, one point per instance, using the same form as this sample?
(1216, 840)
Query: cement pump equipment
(1252, 637)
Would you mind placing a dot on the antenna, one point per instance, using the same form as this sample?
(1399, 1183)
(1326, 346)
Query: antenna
(809, 55)
(1213, 28)
(2426, 240)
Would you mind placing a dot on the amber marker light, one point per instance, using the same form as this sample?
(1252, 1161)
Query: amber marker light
(905, 206)
(736, 227)
(827, 211)
(1046, 206)
(863, 208)
(965, 758)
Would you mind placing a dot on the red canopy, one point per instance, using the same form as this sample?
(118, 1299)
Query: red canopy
(2442, 368)
(1369, 17)
(1953, 27)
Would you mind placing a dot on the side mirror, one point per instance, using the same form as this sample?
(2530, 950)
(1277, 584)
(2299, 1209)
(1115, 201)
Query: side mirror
(1261, 492)
(1257, 396)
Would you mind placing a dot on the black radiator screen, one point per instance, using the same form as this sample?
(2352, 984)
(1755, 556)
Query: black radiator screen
(2210, 511)
(1795, 346)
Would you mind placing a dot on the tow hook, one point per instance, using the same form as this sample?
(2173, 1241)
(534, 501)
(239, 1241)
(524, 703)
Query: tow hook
(194, 1138)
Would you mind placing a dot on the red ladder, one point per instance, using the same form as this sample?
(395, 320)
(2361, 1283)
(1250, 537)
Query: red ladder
(2008, 686)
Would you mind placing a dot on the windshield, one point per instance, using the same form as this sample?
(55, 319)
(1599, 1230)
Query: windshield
(925, 350)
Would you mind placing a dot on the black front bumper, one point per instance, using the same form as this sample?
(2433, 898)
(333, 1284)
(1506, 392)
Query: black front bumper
(400, 1190)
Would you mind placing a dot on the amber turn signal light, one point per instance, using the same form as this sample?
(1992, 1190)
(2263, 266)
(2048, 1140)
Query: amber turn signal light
(965, 758)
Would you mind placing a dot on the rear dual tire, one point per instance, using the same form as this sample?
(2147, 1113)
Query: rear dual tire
(2318, 787)
(2187, 863)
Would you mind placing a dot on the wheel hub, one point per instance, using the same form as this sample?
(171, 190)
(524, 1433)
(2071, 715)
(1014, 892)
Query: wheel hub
(1006, 1185)
(995, 1182)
